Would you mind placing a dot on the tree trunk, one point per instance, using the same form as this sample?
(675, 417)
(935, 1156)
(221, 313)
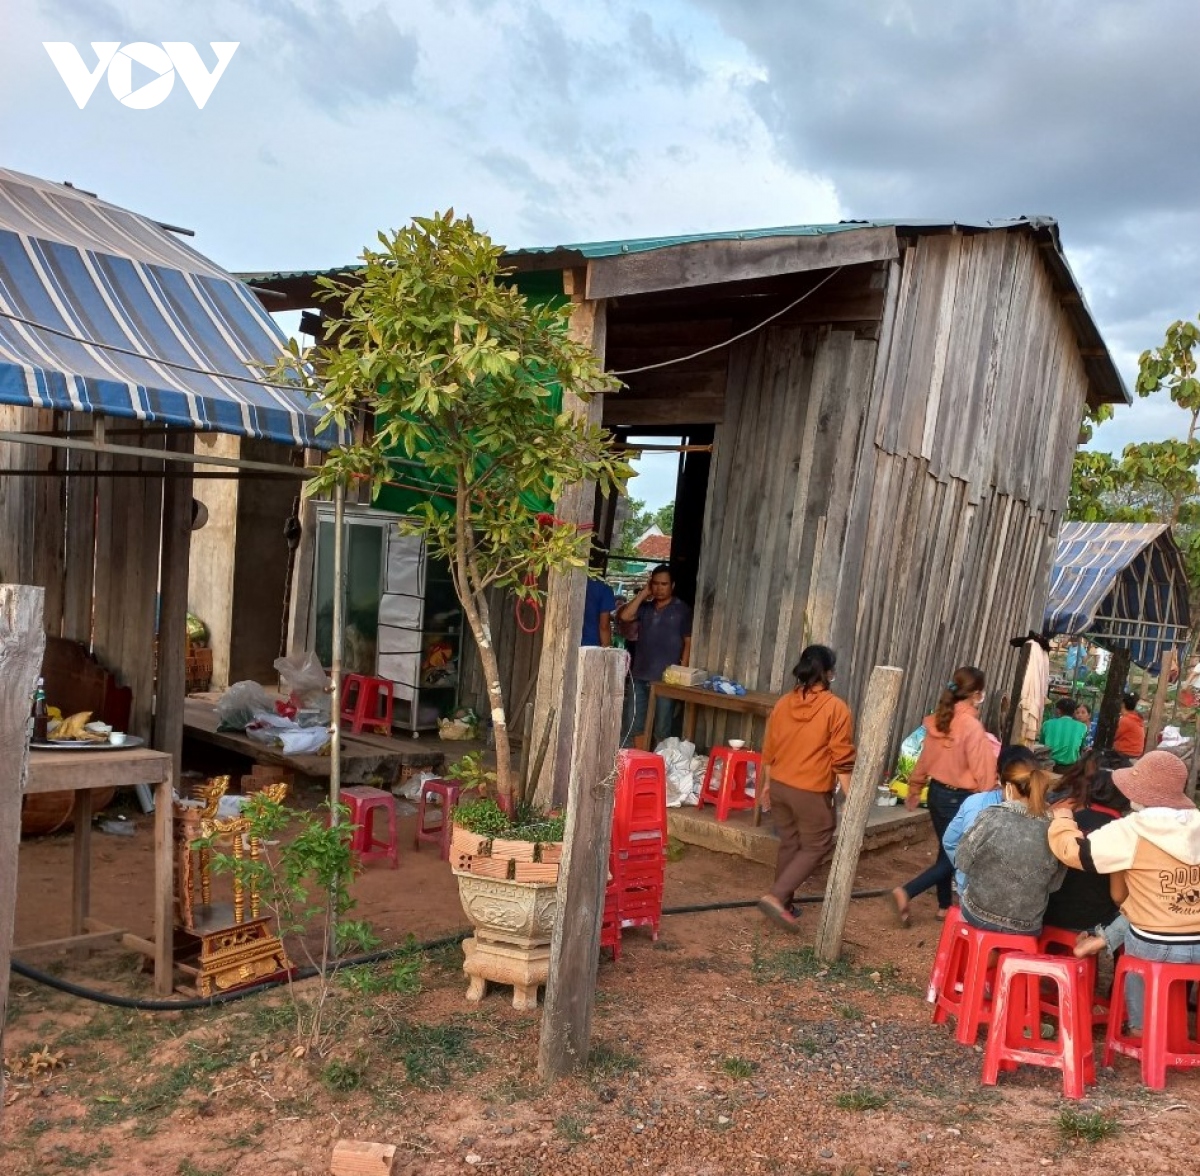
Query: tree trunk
(482, 632)
(1110, 704)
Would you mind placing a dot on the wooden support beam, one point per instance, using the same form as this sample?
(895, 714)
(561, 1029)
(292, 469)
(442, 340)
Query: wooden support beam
(1110, 703)
(704, 263)
(874, 739)
(22, 642)
(1014, 725)
(171, 684)
(1159, 706)
(565, 591)
(583, 873)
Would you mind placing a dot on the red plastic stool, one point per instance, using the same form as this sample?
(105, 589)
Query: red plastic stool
(1059, 941)
(1164, 1041)
(729, 794)
(367, 702)
(1015, 1036)
(941, 962)
(446, 793)
(363, 802)
(964, 975)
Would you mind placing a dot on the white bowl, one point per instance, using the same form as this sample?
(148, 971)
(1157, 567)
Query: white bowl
(116, 738)
(736, 744)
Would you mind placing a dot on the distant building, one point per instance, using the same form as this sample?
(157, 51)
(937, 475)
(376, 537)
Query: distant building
(654, 545)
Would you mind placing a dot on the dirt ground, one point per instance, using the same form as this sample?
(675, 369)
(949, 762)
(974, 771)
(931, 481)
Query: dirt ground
(722, 1047)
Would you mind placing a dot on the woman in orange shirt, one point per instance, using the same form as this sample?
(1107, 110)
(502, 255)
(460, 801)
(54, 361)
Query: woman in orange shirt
(956, 759)
(1130, 738)
(809, 747)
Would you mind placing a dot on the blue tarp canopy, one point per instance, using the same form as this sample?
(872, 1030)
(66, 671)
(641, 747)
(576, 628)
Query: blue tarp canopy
(105, 311)
(1122, 584)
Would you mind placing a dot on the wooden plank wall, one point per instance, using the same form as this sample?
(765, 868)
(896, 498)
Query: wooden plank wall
(898, 500)
(518, 653)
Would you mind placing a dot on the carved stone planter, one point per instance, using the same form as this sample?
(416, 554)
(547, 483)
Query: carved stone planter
(513, 923)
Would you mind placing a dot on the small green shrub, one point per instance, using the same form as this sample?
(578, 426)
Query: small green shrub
(340, 1077)
(1087, 1126)
(738, 1067)
(863, 1100)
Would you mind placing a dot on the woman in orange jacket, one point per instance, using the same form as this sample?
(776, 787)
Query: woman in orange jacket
(956, 759)
(808, 749)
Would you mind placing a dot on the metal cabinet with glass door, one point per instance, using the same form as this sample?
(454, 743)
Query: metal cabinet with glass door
(403, 621)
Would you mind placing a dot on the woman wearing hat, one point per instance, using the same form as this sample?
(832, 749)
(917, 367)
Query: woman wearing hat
(1154, 854)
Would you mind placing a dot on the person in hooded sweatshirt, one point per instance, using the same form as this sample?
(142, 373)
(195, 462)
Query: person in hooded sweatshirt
(1154, 857)
(957, 760)
(809, 748)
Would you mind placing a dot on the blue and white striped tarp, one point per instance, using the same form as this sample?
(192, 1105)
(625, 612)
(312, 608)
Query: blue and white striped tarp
(102, 310)
(1123, 583)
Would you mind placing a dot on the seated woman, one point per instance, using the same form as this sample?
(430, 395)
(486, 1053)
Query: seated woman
(1005, 855)
(1084, 901)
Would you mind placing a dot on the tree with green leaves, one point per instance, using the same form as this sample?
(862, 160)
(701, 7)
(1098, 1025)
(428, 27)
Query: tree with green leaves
(461, 378)
(1152, 481)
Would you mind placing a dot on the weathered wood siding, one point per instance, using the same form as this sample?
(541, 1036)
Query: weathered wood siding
(897, 499)
(518, 654)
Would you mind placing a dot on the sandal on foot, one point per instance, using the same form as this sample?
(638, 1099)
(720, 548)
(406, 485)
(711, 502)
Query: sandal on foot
(778, 914)
(900, 905)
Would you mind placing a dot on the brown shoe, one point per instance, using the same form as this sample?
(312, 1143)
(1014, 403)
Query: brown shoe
(774, 910)
(899, 898)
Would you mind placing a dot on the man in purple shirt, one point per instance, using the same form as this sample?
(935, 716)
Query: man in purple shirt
(664, 639)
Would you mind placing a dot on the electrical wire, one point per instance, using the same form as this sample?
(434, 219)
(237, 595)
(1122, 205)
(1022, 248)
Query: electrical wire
(147, 1005)
(650, 367)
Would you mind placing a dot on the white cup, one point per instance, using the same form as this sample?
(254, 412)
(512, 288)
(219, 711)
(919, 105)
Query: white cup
(736, 744)
(116, 738)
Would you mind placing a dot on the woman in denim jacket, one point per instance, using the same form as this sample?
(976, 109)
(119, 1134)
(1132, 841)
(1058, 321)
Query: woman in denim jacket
(1005, 855)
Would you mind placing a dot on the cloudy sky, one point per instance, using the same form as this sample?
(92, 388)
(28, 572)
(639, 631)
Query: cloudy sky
(555, 122)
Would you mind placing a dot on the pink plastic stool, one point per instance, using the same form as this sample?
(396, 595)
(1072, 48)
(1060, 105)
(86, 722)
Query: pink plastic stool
(1015, 1035)
(363, 802)
(367, 702)
(445, 792)
(729, 794)
(964, 975)
(1165, 1040)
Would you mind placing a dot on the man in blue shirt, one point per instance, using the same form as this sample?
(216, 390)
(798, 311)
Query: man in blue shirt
(598, 608)
(664, 639)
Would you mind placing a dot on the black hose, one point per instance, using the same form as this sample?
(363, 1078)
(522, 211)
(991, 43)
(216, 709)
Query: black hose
(306, 973)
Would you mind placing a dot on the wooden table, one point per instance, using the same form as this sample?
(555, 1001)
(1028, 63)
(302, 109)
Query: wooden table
(753, 702)
(85, 772)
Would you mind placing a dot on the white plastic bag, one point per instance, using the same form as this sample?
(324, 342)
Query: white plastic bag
(303, 677)
(678, 756)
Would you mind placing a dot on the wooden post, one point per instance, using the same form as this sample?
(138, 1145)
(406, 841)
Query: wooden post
(565, 591)
(1159, 706)
(1110, 703)
(874, 738)
(583, 873)
(22, 642)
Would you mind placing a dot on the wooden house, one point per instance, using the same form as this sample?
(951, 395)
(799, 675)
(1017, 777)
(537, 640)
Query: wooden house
(880, 420)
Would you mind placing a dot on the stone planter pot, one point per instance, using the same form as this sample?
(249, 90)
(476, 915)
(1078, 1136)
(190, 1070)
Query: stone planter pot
(513, 924)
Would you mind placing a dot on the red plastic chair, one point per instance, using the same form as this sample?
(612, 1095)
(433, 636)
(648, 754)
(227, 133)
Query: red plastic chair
(367, 702)
(729, 793)
(964, 973)
(445, 794)
(1165, 1041)
(1015, 1036)
(1058, 941)
(363, 802)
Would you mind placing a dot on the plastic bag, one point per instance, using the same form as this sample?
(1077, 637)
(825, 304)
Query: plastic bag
(303, 677)
(239, 704)
(683, 782)
(913, 742)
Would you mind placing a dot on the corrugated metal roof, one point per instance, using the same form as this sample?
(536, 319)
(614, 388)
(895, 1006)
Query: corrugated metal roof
(1123, 581)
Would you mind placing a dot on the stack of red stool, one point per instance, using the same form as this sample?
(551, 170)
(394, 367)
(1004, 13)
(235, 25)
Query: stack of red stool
(363, 801)
(729, 793)
(961, 980)
(1165, 1040)
(1015, 1033)
(637, 859)
(367, 702)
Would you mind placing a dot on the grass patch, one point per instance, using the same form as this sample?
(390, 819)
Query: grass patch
(511, 1089)
(341, 1077)
(1086, 1126)
(606, 1061)
(809, 1046)
(850, 1013)
(187, 1168)
(401, 977)
(71, 1159)
(433, 1054)
(163, 1090)
(737, 1067)
(862, 1100)
(569, 1128)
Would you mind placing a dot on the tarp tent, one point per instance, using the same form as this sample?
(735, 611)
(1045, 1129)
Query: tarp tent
(1122, 584)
